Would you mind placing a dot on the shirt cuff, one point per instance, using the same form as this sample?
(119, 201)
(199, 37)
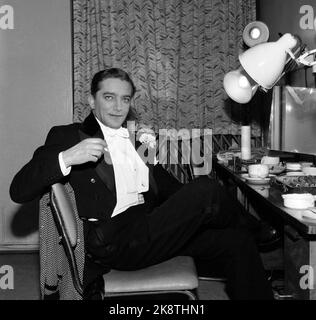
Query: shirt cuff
(62, 165)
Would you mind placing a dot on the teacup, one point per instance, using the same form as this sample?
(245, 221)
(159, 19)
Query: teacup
(270, 161)
(258, 171)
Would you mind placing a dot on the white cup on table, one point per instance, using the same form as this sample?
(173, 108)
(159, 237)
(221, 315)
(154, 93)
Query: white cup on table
(258, 171)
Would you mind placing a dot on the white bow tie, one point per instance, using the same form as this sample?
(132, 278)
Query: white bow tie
(121, 132)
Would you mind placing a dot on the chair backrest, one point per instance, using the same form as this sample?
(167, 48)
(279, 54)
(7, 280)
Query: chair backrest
(64, 212)
(66, 223)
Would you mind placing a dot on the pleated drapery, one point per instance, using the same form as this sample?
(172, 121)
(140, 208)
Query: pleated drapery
(176, 51)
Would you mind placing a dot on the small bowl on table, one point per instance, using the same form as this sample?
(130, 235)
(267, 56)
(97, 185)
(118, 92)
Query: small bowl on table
(298, 200)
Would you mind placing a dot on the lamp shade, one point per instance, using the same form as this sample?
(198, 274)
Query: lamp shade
(239, 86)
(262, 65)
(265, 62)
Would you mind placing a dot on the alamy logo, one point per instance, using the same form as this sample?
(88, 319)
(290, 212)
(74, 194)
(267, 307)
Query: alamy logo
(6, 17)
(307, 20)
(6, 277)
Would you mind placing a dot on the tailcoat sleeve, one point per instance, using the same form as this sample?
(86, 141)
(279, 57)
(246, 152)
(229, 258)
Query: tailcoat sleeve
(42, 170)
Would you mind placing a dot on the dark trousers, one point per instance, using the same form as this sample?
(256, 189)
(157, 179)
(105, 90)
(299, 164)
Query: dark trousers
(199, 220)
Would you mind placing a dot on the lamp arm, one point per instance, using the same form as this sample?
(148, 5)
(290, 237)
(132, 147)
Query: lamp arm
(290, 53)
(301, 59)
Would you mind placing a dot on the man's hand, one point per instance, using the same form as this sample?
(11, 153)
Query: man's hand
(90, 149)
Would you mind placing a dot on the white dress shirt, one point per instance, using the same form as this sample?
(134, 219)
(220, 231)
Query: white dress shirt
(130, 172)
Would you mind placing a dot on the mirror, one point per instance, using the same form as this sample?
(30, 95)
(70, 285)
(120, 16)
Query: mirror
(293, 120)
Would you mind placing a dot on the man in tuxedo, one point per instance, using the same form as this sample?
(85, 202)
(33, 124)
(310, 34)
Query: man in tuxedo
(135, 214)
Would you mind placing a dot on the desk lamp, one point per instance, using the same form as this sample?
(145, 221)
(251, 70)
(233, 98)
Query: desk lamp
(262, 66)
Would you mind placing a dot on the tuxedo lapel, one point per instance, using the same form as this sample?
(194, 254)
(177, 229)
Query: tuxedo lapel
(104, 168)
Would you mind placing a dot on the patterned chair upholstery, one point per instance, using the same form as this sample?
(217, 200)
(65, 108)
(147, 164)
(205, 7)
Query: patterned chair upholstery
(55, 272)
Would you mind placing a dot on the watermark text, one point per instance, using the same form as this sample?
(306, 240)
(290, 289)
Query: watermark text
(307, 280)
(6, 277)
(307, 19)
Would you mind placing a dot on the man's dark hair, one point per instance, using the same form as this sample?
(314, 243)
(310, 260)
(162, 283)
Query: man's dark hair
(110, 73)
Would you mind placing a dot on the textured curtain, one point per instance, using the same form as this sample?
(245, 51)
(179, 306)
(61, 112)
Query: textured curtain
(176, 51)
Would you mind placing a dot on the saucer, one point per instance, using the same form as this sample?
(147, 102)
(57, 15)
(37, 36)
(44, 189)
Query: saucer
(309, 171)
(311, 214)
(293, 166)
(294, 173)
(256, 180)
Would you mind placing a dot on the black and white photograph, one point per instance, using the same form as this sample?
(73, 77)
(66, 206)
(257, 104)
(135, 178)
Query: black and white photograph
(157, 155)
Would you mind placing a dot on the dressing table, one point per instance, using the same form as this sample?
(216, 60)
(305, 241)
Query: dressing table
(299, 232)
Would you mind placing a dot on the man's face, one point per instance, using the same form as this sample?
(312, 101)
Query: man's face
(112, 102)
